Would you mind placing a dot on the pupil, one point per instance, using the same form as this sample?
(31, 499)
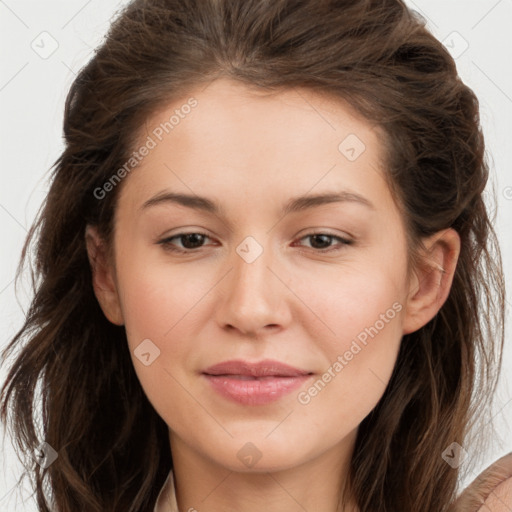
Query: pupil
(196, 236)
(326, 239)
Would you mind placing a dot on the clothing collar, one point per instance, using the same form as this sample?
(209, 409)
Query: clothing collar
(166, 501)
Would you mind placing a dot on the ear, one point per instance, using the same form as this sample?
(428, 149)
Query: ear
(103, 276)
(432, 281)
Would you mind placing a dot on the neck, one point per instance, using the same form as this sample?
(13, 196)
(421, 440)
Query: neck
(202, 485)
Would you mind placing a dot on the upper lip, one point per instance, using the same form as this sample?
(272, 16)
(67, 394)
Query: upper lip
(264, 368)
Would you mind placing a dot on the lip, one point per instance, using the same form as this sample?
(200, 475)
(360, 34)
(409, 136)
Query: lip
(265, 368)
(254, 383)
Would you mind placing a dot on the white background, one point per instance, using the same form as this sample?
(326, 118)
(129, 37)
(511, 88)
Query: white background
(32, 94)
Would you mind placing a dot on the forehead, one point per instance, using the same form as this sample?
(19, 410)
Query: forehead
(259, 144)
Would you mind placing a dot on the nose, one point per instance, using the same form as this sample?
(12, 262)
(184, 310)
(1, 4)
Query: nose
(253, 298)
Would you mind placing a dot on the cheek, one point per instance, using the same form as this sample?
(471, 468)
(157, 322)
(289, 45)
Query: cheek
(157, 300)
(346, 303)
(360, 336)
(360, 362)
(159, 304)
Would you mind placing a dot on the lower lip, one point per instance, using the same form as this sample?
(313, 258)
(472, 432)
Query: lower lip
(255, 391)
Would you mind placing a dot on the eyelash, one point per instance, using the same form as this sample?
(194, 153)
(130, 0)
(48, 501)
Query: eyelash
(166, 242)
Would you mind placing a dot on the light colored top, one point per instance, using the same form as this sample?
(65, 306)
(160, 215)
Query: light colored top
(493, 486)
(166, 501)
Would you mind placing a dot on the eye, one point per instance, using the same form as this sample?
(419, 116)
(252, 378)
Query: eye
(194, 240)
(190, 241)
(323, 240)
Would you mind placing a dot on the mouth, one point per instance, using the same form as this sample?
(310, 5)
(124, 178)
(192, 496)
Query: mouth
(254, 383)
(265, 368)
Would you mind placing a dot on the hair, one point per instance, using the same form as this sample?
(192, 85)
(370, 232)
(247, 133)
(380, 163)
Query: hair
(378, 57)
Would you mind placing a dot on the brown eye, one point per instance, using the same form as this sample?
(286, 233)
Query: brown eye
(321, 242)
(189, 242)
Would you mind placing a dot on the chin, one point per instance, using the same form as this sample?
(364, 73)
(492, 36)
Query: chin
(261, 456)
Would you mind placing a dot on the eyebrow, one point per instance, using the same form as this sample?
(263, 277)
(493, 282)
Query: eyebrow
(296, 204)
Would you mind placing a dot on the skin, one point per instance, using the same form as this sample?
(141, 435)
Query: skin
(251, 152)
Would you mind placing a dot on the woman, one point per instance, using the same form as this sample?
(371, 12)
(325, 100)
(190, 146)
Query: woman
(188, 328)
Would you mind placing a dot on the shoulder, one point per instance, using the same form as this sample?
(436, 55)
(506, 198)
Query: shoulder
(491, 491)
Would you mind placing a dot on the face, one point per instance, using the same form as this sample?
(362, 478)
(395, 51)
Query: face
(319, 285)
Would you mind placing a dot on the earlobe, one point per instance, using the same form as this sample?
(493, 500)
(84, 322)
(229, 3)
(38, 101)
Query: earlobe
(103, 279)
(432, 280)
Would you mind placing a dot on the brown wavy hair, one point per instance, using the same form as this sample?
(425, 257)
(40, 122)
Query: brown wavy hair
(377, 55)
